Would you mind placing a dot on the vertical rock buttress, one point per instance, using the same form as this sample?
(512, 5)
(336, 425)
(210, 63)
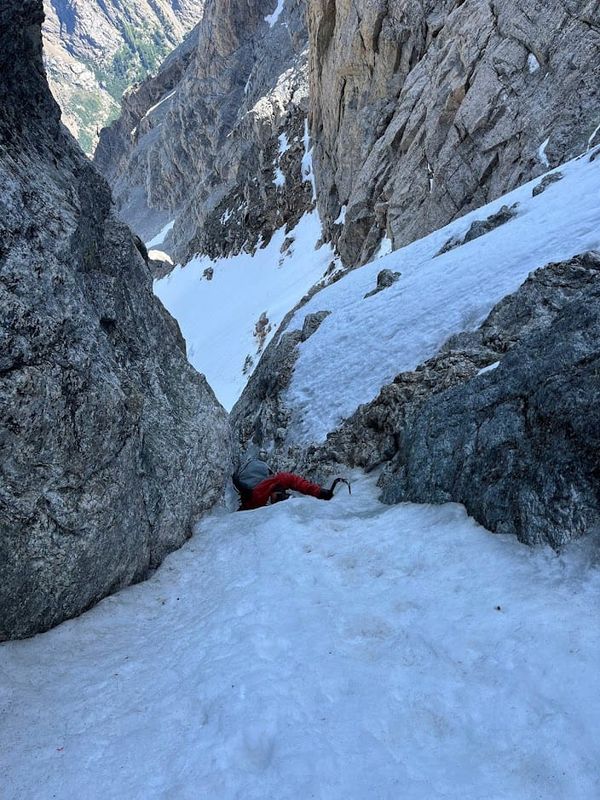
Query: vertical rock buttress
(110, 443)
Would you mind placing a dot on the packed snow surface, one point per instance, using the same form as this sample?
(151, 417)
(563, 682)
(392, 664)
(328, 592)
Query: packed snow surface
(218, 317)
(369, 341)
(337, 651)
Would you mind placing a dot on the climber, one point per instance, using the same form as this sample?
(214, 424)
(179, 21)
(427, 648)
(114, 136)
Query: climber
(257, 485)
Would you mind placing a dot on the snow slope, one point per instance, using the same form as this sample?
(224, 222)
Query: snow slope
(218, 317)
(369, 341)
(338, 651)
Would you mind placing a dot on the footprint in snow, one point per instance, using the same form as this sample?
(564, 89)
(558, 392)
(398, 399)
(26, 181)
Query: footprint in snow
(258, 746)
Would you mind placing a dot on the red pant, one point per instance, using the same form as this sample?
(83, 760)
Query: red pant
(281, 482)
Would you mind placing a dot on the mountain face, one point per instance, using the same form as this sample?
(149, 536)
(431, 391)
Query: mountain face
(216, 140)
(111, 444)
(419, 112)
(423, 111)
(392, 122)
(95, 51)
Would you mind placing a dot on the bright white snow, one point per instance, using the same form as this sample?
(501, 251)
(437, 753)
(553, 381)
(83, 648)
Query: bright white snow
(308, 175)
(593, 136)
(271, 19)
(385, 248)
(489, 368)
(161, 235)
(284, 144)
(160, 255)
(336, 651)
(369, 341)
(279, 179)
(532, 63)
(164, 99)
(218, 317)
(341, 218)
(542, 152)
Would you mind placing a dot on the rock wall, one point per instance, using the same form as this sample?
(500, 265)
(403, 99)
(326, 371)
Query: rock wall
(110, 443)
(423, 111)
(220, 149)
(260, 418)
(504, 420)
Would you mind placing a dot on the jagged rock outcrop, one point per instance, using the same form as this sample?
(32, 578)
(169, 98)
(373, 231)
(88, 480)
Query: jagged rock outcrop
(110, 443)
(94, 51)
(260, 418)
(519, 445)
(504, 419)
(223, 149)
(423, 111)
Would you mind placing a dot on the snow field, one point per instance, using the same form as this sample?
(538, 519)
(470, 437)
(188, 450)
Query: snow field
(337, 651)
(369, 341)
(218, 317)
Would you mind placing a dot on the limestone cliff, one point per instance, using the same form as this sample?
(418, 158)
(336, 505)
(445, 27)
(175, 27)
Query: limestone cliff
(111, 444)
(419, 113)
(422, 111)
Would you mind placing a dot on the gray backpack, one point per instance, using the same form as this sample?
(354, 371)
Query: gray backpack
(250, 474)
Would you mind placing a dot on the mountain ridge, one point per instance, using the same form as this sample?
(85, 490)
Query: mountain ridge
(94, 52)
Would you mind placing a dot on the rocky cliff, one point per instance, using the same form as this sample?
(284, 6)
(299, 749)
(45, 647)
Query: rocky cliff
(422, 111)
(94, 51)
(517, 445)
(111, 444)
(217, 141)
(419, 113)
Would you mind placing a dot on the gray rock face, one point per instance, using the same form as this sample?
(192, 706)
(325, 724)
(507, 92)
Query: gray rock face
(220, 149)
(260, 417)
(547, 180)
(110, 443)
(423, 111)
(519, 446)
(505, 420)
(95, 50)
(385, 279)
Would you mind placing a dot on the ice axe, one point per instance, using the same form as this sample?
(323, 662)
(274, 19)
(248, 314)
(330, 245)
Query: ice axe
(340, 480)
